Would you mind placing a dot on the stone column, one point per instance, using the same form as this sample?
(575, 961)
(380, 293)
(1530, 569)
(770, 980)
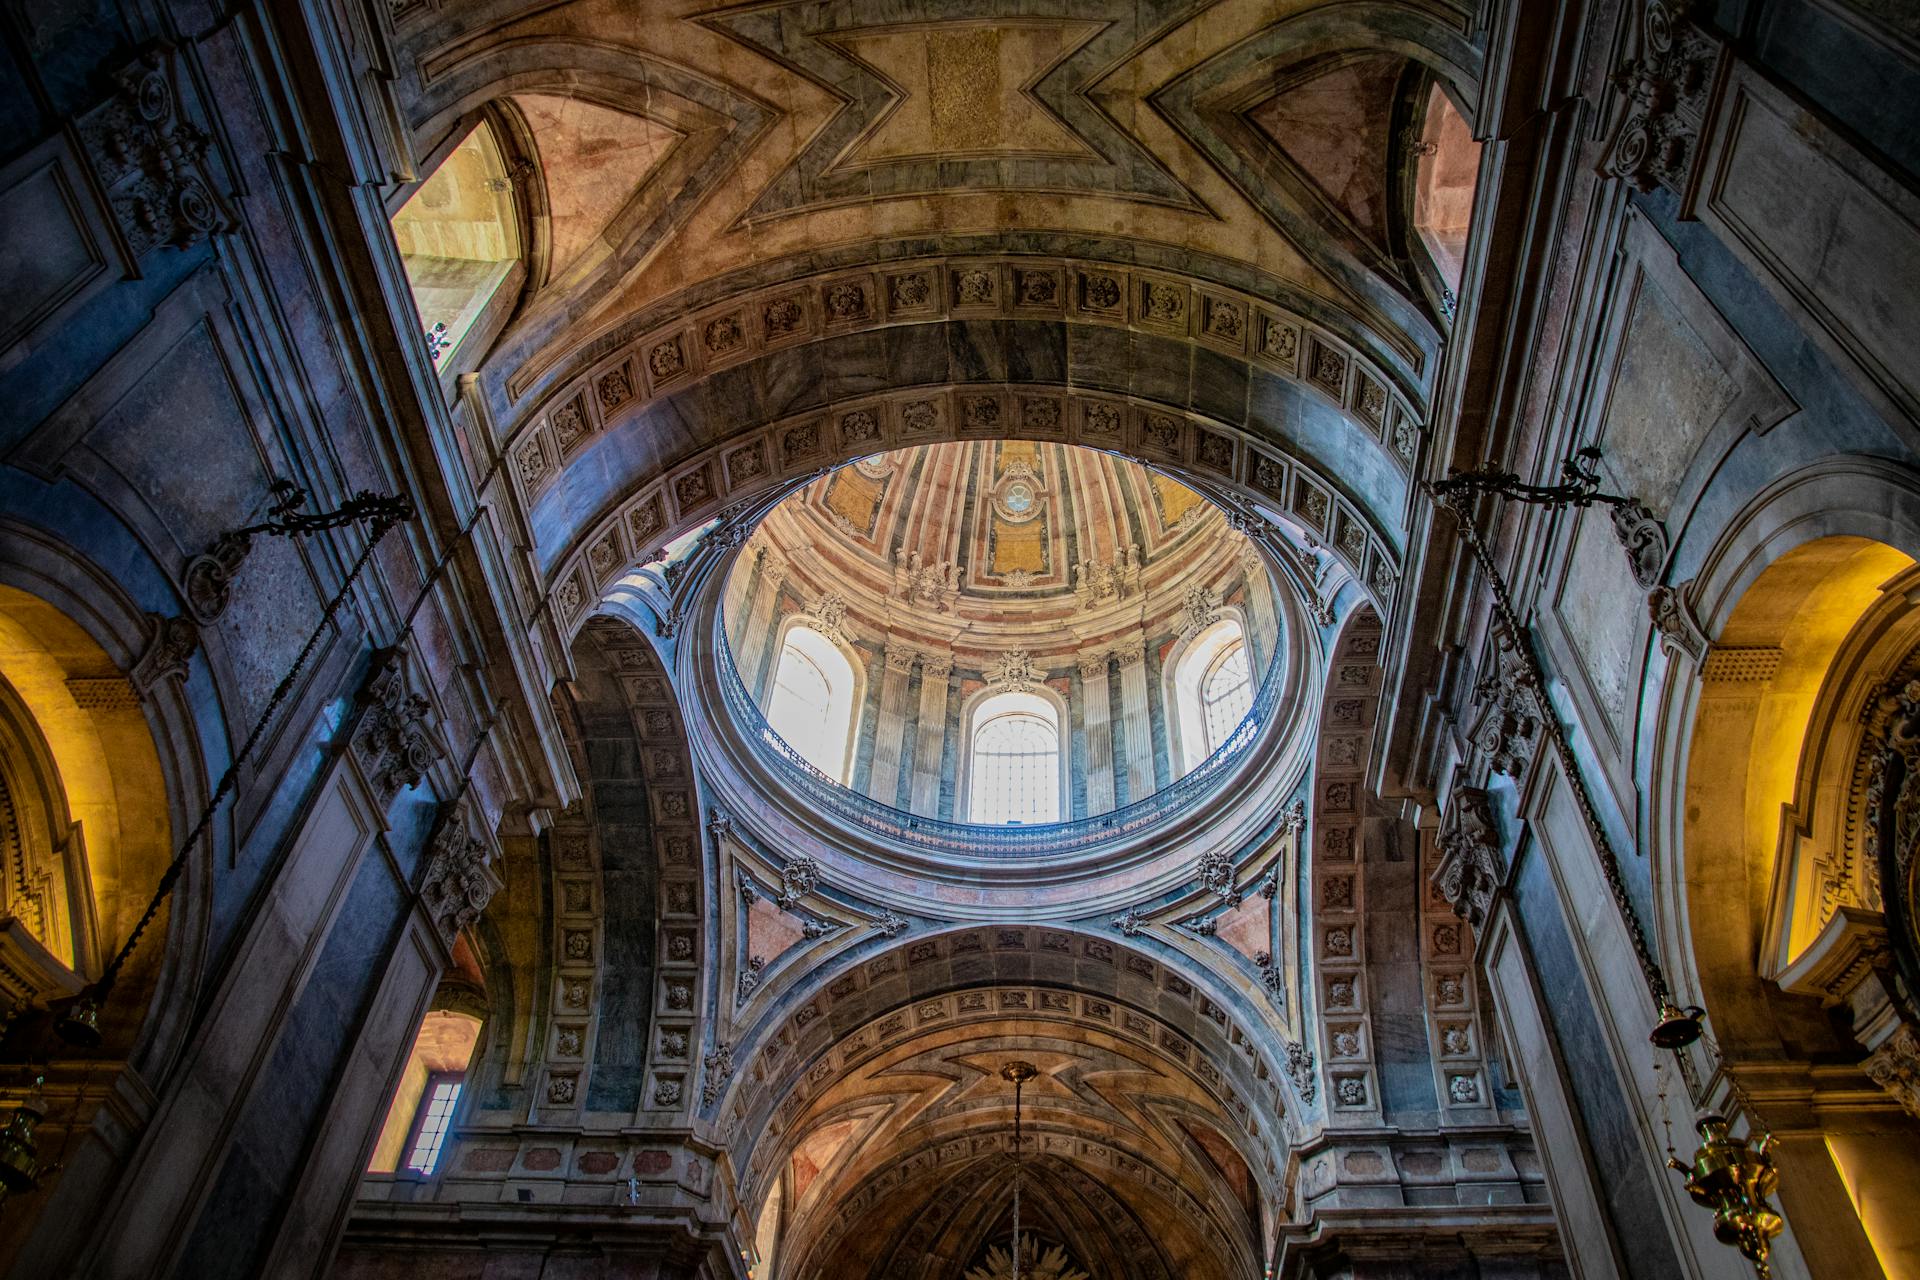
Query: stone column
(1263, 628)
(752, 644)
(930, 740)
(1097, 712)
(740, 581)
(1135, 720)
(883, 782)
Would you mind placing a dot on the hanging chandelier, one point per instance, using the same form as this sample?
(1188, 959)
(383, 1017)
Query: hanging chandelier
(1017, 1074)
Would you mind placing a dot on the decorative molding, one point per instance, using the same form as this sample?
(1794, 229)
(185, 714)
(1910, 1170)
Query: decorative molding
(394, 744)
(1216, 875)
(1470, 869)
(1663, 96)
(1508, 729)
(1200, 610)
(718, 1064)
(1015, 672)
(1895, 1067)
(151, 160)
(1675, 622)
(171, 645)
(797, 879)
(459, 880)
(1645, 540)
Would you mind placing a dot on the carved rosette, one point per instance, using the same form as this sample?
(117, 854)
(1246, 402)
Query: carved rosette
(797, 880)
(1470, 868)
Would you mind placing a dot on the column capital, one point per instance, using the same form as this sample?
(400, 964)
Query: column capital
(900, 656)
(936, 666)
(1092, 665)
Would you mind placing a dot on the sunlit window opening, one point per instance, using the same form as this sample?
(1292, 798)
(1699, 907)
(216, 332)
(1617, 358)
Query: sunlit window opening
(1226, 694)
(421, 1114)
(436, 1114)
(1444, 184)
(1015, 774)
(459, 238)
(811, 705)
(1210, 686)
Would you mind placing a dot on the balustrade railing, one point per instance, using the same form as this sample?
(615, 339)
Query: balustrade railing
(969, 839)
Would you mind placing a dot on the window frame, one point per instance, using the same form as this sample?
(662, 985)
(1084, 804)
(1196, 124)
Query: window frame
(1183, 684)
(434, 1079)
(971, 722)
(856, 691)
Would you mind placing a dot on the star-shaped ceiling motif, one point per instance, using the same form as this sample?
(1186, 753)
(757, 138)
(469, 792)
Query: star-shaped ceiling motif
(942, 95)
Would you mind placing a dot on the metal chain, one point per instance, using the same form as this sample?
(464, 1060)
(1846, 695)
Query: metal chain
(1563, 750)
(383, 521)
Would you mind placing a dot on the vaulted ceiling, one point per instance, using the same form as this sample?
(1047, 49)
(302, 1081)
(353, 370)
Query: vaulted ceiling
(743, 205)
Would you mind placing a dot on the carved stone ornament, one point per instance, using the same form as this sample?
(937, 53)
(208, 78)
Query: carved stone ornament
(1014, 671)
(749, 979)
(1893, 824)
(1895, 1067)
(797, 880)
(1215, 874)
(719, 1070)
(1131, 924)
(1508, 729)
(170, 646)
(1300, 1071)
(1645, 540)
(1470, 868)
(207, 581)
(459, 880)
(830, 618)
(151, 160)
(890, 925)
(1674, 621)
(1199, 610)
(393, 742)
(1663, 93)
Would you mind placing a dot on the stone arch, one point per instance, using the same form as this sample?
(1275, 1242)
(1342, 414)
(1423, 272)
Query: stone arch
(854, 1051)
(592, 530)
(124, 678)
(1776, 654)
(629, 920)
(1068, 976)
(1842, 503)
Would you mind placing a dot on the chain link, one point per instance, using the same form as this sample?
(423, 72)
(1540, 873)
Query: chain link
(1522, 639)
(383, 522)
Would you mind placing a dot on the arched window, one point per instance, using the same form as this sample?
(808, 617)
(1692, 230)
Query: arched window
(1226, 693)
(459, 238)
(1211, 688)
(1014, 766)
(1444, 178)
(812, 701)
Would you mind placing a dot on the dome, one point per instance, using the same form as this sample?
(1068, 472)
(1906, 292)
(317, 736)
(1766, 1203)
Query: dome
(1002, 632)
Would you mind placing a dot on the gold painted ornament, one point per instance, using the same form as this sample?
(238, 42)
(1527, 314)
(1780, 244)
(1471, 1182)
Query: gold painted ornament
(1736, 1178)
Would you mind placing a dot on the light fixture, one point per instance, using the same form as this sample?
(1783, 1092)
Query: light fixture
(1735, 1177)
(1017, 1074)
(20, 1167)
